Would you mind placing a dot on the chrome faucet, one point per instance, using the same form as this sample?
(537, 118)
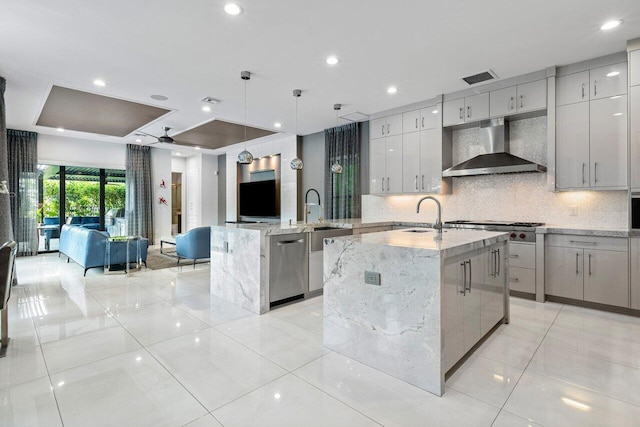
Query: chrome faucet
(438, 226)
(306, 208)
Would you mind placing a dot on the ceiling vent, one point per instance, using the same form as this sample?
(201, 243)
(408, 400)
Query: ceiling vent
(480, 77)
(211, 100)
(355, 117)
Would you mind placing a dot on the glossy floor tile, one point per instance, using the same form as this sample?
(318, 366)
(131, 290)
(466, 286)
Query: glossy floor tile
(215, 368)
(30, 404)
(289, 401)
(154, 348)
(131, 389)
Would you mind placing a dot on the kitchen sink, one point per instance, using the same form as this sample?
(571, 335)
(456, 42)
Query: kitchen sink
(326, 228)
(417, 230)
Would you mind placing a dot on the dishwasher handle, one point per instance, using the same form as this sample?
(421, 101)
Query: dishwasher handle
(289, 242)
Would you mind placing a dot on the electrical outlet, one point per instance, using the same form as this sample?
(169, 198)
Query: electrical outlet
(372, 278)
(573, 211)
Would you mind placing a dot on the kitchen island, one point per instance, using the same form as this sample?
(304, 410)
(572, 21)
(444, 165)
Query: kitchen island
(430, 298)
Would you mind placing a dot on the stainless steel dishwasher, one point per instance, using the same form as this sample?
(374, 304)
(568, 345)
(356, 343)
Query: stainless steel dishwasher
(316, 242)
(288, 266)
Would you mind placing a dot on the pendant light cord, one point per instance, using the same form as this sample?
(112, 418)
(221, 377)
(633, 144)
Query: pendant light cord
(296, 116)
(245, 115)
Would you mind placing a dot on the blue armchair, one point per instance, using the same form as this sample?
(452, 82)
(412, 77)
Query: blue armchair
(194, 244)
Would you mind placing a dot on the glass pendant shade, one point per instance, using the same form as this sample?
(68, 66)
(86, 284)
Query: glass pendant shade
(245, 158)
(336, 167)
(296, 164)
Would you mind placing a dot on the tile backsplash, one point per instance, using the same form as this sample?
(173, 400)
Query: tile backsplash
(508, 197)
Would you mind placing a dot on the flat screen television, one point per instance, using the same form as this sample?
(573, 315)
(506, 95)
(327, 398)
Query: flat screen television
(258, 198)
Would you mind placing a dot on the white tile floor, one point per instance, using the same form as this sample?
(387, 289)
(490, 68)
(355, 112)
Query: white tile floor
(155, 349)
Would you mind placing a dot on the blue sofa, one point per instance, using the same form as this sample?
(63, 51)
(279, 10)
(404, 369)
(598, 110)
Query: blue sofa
(91, 222)
(194, 244)
(88, 247)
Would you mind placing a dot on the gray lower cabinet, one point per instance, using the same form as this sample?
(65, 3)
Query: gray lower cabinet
(635, 272)
(522, 267)
(473, 287)
(581, 271)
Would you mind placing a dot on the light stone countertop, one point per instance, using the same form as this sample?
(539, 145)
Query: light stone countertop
(582, 231)
(450, 243)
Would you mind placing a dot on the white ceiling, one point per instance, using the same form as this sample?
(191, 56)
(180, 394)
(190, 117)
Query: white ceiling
(187, 50)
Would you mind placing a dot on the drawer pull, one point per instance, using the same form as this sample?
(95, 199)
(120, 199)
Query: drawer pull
(514, 256)
(514, 279)
(582, 242)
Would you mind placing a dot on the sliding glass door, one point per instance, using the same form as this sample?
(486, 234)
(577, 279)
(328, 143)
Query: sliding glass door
(87, 197)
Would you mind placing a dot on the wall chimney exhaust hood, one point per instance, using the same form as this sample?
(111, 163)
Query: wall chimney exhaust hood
(494, 137)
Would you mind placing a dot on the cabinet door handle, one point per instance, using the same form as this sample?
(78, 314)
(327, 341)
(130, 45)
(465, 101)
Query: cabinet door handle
(423, 181)
(382, 131)
(382, 185)
(461, 113)
(464, 280)
(416, 181)
(469, 261)
(423, 122)
(521, 101)
(388, 125)
(589, 264)
(495, 263)
(582, 242)
(468, 111)
(582, 90)
(498, 258)
(510, 106)
(595, 172)
(595, 88)
(583, 166)
(577, 255)
(388, 181)
(514, 279)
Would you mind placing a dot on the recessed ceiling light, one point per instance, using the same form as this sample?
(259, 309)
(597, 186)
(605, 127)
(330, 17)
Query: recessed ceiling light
(613, 73)
(332, 60)
(159, 97)
(99, 82)
(206, 108)
(617, 114)
(233, 9)
(616, 97)
(609, 25)
(178, 154)
(138, 140)
(197, 148)
(435, 111)
(277, 125)
(60, 129)
(392, 89)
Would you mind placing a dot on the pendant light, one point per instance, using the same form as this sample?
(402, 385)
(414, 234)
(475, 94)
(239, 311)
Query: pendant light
(245, 157)
(296, 163)
(336, 167)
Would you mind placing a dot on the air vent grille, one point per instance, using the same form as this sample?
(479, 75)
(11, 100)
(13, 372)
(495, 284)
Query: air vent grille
(480, 77)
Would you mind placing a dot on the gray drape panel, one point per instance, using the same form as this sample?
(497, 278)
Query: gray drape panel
(6, 232)
(23, 182)
(342, 191)
(139, 197)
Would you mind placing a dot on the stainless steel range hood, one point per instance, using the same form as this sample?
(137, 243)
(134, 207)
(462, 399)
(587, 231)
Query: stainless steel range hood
(494, 137)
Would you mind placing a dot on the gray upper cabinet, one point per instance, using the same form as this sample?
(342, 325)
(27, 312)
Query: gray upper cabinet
(385, 126)
(572, 88)
(453, 112)
(519, 99)
(608, 81)
(411, 121)
(634, 68)
(572, 147)
(608, 142)
(531, 96)
(502, 101)
(429, 118)
(634, 143)
(463, 110)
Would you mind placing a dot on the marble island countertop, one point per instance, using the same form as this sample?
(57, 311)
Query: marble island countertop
(449, 243)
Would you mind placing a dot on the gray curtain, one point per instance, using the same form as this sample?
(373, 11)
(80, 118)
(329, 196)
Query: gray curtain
(139, 196)
(6, 233)
(342, 191)
(23, 183)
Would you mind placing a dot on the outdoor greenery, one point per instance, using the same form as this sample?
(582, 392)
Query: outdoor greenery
(82, 198)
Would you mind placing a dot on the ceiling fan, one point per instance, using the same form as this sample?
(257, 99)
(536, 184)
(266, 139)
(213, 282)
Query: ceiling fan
(164, 139)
